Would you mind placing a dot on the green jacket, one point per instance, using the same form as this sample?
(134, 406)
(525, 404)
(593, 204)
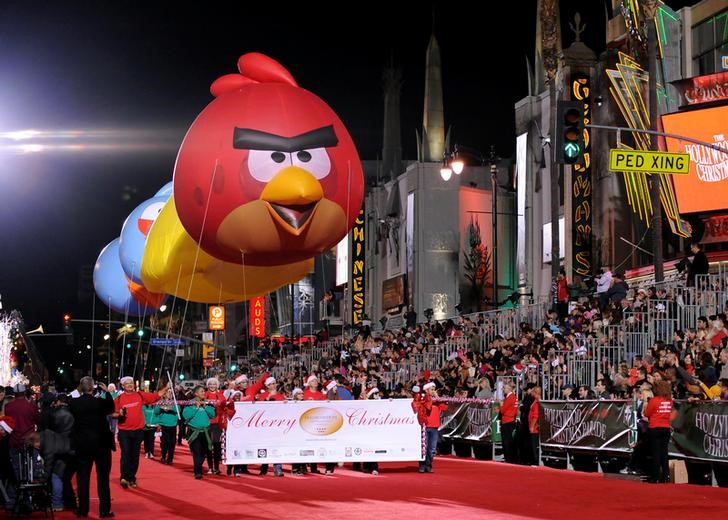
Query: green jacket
(150, 421)
(165, 415)
(198, 417)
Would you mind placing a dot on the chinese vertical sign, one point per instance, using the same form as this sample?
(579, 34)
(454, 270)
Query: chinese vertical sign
(358, 254)
(581, 218)
(257, 317)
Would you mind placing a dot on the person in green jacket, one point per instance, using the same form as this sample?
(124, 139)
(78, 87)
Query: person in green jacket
(150, 427)
(197, 418)
(166, 417)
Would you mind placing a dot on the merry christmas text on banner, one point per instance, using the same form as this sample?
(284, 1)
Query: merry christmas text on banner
(323, 431)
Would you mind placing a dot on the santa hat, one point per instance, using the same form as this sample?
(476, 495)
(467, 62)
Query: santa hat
(296, 391)
(126, 379)
(330, 385)
(428, 386)
(236, 392)
(371, 392)
(213, 381)
(311, 378)
(271, 380)
(240, 379)
(7, 423)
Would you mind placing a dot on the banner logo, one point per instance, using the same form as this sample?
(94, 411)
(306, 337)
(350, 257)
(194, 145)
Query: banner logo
(321, 421)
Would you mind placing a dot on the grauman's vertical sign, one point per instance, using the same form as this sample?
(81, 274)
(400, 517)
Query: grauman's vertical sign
(581, 218)
(357, 269)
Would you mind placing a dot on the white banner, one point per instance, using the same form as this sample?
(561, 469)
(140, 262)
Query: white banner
(323, 431)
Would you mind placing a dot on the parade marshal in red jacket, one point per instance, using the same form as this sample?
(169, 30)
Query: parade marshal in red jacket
(508, 413)
(428, 415)
(128, 410)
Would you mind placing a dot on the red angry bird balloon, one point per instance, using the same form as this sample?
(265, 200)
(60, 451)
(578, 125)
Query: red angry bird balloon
(267, 174)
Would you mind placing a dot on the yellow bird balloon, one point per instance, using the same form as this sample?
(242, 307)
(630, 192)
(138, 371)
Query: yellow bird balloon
(174, 264)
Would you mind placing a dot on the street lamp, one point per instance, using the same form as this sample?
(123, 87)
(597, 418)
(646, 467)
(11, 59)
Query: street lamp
(454, 163)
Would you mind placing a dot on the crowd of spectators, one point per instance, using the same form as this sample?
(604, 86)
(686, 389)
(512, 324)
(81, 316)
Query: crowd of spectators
(469, 356)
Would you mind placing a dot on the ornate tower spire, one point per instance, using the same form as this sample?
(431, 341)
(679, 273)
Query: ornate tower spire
(433, 121)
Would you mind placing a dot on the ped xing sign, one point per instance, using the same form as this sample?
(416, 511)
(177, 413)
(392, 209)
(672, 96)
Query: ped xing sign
(621, 160)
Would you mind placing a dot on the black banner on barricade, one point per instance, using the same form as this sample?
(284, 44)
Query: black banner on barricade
(700, 431)
(467, 422)
(595, 425)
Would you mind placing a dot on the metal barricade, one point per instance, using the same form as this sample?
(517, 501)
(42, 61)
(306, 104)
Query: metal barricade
(451, 347)
(661, 320)
(552, 382)
(609, 357)
(688, 307)
(636, 335)
(583, 371)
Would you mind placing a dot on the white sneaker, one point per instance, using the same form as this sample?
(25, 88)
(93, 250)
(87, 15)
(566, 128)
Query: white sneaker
(329, 472)
(210, 472)
(375, 472)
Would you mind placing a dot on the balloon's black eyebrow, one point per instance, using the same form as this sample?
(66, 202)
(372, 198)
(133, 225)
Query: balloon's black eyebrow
(249, 139)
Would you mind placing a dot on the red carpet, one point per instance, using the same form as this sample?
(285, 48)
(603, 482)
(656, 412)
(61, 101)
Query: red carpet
(459, 488)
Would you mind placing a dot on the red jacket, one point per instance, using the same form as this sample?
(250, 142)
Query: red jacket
(254, 389)
(428, 413)
(433, 415)
(563, 290)
(659, 412)
(509, 409)
(26, 415)
(308, 395)
(133, 402)
(265, 396)
(533, 417)
(218, 396)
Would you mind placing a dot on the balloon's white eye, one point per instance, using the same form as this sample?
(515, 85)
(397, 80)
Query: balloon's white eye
(152, 211)
(315, 161)
(264, 164)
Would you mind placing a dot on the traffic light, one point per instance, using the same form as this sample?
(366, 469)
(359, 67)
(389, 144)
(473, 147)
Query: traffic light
(67, 329)
(140, 333)
(569, 131)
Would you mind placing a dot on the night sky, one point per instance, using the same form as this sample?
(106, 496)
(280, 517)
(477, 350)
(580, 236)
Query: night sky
(135, 75)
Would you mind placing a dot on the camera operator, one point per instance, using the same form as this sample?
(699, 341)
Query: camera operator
(698, 265)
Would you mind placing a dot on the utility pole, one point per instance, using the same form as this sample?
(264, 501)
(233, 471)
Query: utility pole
(650, 8)
(549, 44)
(494, 221)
